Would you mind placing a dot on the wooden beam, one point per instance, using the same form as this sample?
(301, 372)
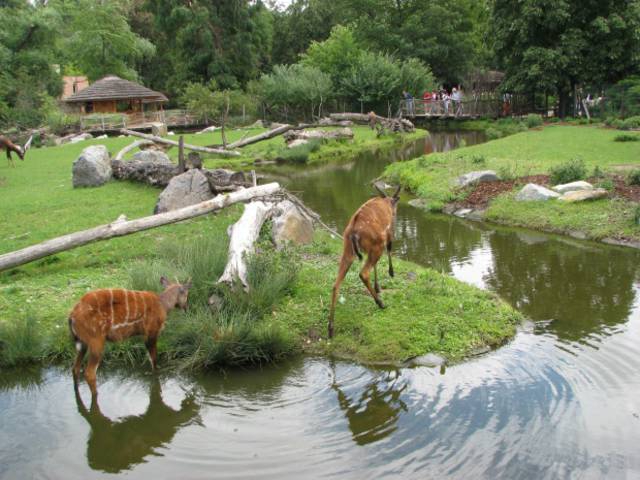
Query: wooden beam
(195, 148)
(124, 227)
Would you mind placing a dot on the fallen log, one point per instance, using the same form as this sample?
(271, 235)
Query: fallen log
(263, 136)
(123, 227)
(136, 144)
(153, 138)
(243, 235)
(340, 133)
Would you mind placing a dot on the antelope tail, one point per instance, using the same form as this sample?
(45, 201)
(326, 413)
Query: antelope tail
(354, 242)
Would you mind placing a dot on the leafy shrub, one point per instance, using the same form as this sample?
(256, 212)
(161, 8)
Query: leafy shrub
(634, 177)
(632, 122)
(597, 172)
(626, 137)
(478, 159)
(493, 133)
(619, 124)
(636, 215)
(508, 172)
(606, 183)
(533, 120)
(568, 172)
(609, 121)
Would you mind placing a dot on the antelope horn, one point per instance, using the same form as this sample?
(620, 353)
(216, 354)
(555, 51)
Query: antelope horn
(27, 145)
(397, 192)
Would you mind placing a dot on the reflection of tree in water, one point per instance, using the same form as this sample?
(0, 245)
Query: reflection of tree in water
(434, 240)
(582, 289)
(114, 446)
(375, 413)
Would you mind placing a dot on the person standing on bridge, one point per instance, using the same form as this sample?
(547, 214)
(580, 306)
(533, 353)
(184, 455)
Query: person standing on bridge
(456, 96)
(409, 101)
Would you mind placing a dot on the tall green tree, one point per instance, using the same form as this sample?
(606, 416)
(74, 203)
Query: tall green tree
(28, 78)
(98, 39)
(228, 41)
(554, 45)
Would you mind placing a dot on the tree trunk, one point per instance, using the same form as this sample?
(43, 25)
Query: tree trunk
(181, 165)
(136, 144)
(153, 138)
(263, 136)
(244, 234)
(123, 227)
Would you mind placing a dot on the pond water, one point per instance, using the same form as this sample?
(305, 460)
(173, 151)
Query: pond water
(562, 400)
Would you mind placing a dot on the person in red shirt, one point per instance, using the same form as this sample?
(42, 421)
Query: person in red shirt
(426, 100)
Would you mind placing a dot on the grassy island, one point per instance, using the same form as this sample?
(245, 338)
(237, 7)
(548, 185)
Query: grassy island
(285, 312)
(531, 156)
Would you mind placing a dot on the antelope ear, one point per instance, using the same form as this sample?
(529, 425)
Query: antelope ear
(396, 194)
(164, 282)
(379, 186)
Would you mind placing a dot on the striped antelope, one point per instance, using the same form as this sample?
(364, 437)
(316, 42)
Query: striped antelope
(370, 230)
(116, 314)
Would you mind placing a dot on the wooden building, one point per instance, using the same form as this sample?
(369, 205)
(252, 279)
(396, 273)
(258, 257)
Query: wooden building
(112, 94)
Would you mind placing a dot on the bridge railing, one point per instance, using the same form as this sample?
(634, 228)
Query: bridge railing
(468, 107)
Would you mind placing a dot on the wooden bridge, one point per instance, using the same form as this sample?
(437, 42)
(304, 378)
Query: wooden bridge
(469, 108)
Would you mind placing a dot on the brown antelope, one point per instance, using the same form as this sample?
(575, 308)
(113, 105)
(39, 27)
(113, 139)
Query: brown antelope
(114, 315)
(370, 230)
(9, 147)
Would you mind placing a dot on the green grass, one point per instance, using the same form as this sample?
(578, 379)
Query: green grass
(425, 311)
(528, 153)
(289, 295)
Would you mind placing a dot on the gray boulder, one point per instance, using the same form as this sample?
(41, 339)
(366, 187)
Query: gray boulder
(92, 168)
(480, 176)
(154, 156)
(428, 360)
(573, 187)
(535, 193)
(418, 203)
(582, 195)
(290, 226)
(186, 189)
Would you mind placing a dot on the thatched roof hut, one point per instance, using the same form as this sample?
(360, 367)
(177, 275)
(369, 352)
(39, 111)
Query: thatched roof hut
(113, 94)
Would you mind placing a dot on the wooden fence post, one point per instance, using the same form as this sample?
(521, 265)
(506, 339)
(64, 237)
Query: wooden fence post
(181, 165)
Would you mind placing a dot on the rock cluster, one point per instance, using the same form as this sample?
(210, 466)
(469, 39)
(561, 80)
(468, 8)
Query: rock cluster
(568, 192)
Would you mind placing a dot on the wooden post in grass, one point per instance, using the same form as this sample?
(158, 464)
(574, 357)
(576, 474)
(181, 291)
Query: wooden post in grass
(181, 165)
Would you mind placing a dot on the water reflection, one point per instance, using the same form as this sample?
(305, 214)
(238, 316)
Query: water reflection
(117, 445)
(579, 288)
(374, 411)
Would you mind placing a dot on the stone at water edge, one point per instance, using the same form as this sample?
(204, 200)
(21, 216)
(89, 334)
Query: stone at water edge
(463, 212)
(428, 360)
(154, 156)
(476, 177)
(186, 189)
(92, 168)
(582, 195)
(573, 186)
(535, 193)
(290, 226)
(418, 203)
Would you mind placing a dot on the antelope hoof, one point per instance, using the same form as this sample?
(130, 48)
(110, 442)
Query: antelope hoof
(330, 332)
(391, 272)
(379, 303)
(378, 289)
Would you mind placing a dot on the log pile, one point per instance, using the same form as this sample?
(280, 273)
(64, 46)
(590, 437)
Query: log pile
(341, 133)
(390, 124)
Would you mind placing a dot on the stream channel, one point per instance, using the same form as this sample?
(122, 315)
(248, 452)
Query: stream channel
(561, 400)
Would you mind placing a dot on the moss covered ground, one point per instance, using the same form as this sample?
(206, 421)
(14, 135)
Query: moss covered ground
(534, 152)
(426, 310)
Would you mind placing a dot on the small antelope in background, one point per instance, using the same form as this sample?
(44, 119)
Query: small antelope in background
(370, 230)
(9, 147)
(116, 314)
